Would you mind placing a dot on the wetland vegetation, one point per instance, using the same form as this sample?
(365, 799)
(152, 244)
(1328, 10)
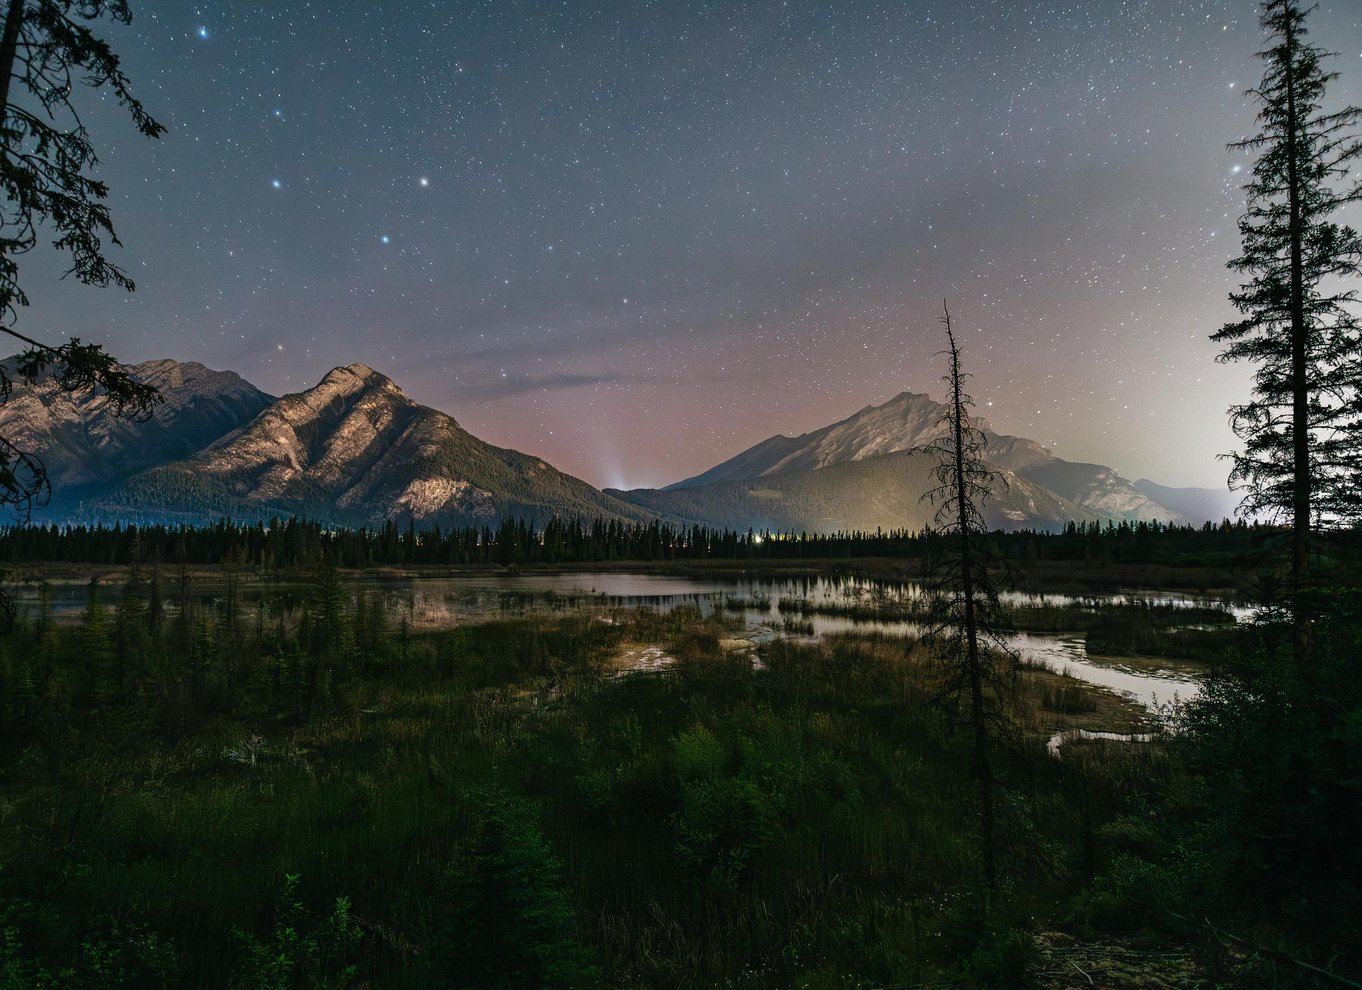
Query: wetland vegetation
(225, 775)
(486, 804)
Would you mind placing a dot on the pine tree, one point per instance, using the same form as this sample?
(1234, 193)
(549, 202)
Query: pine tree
(1302, 429)
(47, 184)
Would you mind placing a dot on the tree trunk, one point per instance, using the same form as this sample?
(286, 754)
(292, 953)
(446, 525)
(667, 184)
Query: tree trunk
(978, 723)
(9, 48)
(1300, 395)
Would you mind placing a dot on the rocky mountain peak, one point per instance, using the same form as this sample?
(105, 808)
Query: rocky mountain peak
(366, 374)
(916, 407)
(911, 420)
(906, 421)
(181, 380)
(350, 378)
(167, 372)
(82, 444)
(354, 447)
(341, 389)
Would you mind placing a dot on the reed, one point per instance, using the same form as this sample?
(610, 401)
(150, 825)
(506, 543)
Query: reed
(494, 805)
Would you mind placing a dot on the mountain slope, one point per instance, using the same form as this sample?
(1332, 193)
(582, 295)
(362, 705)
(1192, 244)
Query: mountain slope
(356, 450)
(1203, 504)
(82, 445)
(906, 422)
(880, 492)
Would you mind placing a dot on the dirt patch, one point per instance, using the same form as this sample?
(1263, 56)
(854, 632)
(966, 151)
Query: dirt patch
(638, 658)
(1067, 964)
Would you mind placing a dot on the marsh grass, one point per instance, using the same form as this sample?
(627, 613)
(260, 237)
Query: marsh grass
(492, 810)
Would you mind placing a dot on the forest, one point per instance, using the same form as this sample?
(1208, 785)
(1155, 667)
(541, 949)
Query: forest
(297, 543)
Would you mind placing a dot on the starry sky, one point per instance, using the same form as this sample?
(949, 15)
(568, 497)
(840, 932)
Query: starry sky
(635, 238)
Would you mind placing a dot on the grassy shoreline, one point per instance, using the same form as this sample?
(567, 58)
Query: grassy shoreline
(1040, 577)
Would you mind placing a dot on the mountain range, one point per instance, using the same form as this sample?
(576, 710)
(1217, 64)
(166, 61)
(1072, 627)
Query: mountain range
(355, 450)
(869, 471)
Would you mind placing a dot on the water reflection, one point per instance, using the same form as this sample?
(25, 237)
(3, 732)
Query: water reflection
(767, 606)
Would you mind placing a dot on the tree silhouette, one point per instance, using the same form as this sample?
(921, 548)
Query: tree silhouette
(1302, 429)
(46, 161)
(964, 578)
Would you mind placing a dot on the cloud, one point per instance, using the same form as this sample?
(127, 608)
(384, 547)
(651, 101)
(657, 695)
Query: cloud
(495, 386)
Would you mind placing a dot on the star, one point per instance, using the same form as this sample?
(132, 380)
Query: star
(794, 202)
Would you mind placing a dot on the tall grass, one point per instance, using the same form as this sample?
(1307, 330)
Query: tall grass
(496, 811)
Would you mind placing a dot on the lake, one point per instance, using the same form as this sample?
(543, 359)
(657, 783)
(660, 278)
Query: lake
(763, 605)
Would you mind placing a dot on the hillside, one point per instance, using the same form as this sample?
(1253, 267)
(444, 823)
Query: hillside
(1055, 490)
(882, 492)
(82, 445)
(355, 449)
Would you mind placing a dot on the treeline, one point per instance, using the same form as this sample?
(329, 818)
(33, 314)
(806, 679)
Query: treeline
(292, 543)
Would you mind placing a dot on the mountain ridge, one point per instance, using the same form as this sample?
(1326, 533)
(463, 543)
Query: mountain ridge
(910, 421)
(885, 492)
(80, 441)
(354, 449)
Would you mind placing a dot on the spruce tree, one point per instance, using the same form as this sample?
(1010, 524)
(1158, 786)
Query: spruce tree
(1271, 736)
(1302, 455)
(48, 185)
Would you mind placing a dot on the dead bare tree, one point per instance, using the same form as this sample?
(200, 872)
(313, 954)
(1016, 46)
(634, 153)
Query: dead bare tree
(965, 577)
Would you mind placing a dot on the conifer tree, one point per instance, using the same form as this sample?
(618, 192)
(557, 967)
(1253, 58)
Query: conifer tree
(47, 183)
(1302, 428)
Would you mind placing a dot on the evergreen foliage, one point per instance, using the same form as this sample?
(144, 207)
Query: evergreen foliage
(1302, 429)
(46, 163)
(298, 543)
(485, 805)
(300, 954)
(1272, 750)
(511, 924)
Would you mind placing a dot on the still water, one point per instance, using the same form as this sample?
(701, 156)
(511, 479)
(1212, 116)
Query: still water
(763, 604)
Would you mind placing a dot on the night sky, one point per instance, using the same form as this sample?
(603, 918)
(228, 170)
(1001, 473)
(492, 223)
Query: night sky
(636, 238)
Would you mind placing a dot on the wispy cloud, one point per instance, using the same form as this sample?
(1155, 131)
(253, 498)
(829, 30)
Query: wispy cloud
(495, 386)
